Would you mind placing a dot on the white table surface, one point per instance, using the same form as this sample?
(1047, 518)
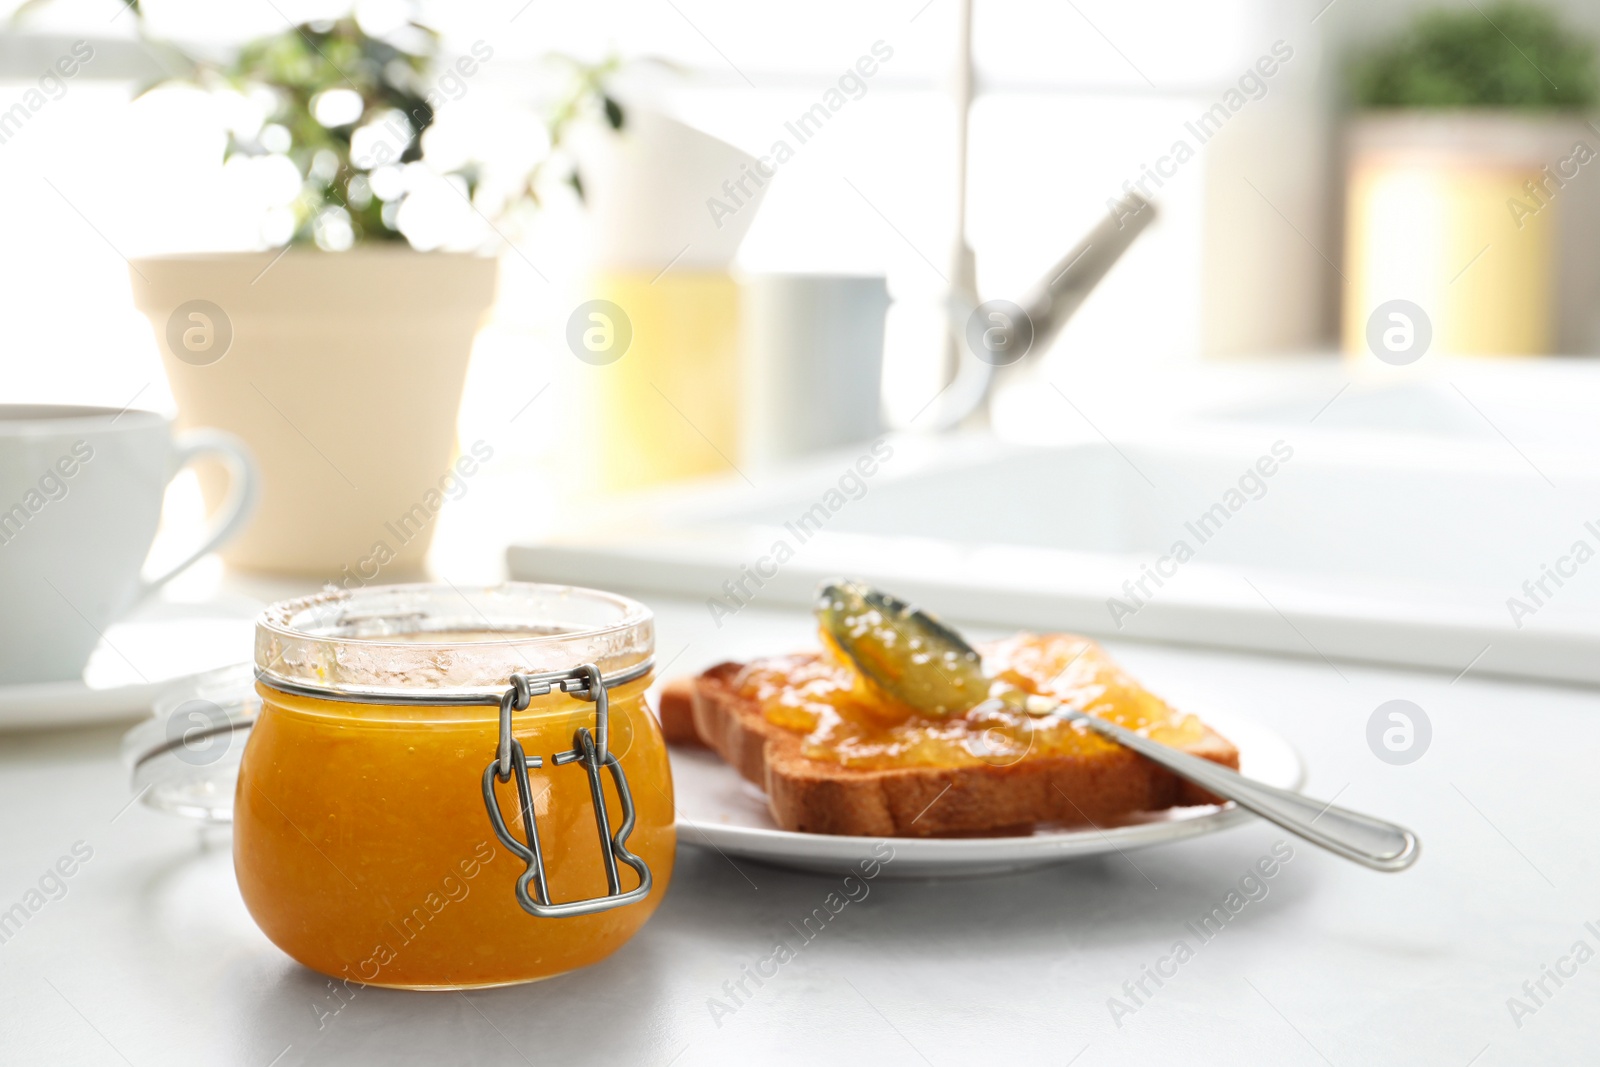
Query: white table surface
(150, 957)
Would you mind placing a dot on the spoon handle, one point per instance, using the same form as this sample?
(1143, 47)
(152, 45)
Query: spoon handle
(1381, 845)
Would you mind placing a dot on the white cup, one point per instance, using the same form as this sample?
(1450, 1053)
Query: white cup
(80, 498)
(813, 361)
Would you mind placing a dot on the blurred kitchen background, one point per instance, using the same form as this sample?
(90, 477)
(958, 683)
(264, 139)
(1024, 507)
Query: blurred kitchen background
(1308, 165)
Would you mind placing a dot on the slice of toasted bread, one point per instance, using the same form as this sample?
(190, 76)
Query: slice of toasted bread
(816, 796)
(675, 710)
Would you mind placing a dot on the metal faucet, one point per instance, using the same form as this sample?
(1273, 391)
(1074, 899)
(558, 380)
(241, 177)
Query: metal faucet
(1046, 306)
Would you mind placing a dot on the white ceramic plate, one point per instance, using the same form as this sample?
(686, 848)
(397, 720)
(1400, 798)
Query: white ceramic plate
(42, 705)
(717, 809)
(135, 661)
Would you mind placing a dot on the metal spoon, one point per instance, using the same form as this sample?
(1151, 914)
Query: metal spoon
(1372, 842)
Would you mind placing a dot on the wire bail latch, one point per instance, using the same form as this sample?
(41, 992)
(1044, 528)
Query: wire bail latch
(591, 750)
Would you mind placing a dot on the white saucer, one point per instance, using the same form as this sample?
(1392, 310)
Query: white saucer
(717, 809)
(135, 660)
(42, 705)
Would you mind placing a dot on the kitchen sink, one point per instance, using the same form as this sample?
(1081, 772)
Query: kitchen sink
(1388, 545)
(1429, 520)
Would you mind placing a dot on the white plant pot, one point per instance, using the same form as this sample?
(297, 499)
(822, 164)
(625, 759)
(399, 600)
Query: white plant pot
(343, 373)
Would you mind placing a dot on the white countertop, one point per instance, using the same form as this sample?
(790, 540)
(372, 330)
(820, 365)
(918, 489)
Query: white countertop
(150, 957)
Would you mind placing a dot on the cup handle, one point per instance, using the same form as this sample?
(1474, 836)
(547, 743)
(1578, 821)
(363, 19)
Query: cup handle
(244, 488)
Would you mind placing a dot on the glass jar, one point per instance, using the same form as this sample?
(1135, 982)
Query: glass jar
(406, 734)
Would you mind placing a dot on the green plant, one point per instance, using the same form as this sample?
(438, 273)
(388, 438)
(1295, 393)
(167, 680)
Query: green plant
(331, 81)
(1508, 55)
(348, 109)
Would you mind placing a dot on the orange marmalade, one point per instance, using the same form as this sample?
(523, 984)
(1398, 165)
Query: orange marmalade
(362, 843)
(844, 721)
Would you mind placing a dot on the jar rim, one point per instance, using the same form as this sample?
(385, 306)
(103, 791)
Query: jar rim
(456, 641)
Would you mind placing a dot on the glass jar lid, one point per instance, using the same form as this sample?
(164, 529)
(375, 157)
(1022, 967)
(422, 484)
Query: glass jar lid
(457, 644)
(184, 759)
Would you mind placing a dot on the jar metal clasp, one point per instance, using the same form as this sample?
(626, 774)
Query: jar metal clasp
(590, 750)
